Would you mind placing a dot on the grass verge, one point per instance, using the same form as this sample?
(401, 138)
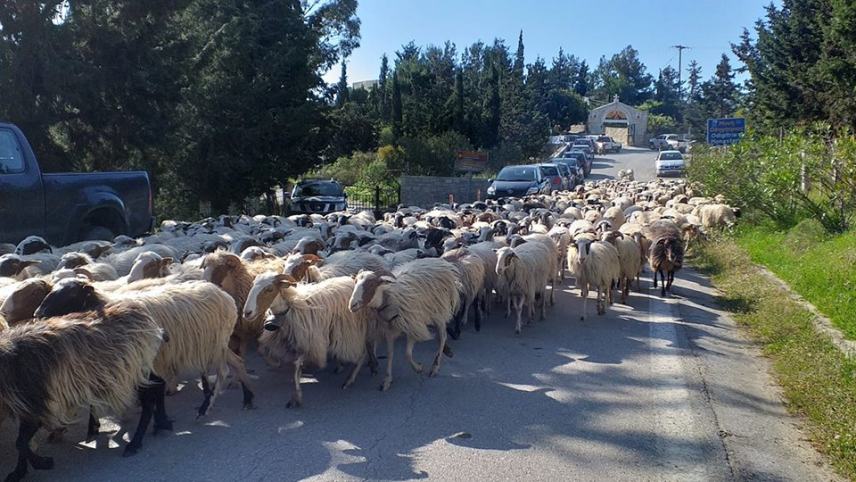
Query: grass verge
(820, 267)
(818, 381)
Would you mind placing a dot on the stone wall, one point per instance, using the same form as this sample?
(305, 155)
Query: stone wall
(425, 191)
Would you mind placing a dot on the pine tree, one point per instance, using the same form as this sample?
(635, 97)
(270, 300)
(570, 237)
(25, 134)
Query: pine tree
(396, 106)
(693, 80)
(382, 92)
(519, 59)
(492, 110)
(458, 120)
(581, 83)
(720, 93)
(342, 93)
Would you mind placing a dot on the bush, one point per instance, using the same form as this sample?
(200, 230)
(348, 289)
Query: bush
(806, 174)
(804, 235)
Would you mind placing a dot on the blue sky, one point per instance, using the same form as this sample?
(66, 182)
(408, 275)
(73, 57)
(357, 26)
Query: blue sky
(586, 29)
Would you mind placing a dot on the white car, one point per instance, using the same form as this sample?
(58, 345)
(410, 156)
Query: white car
(670, 163)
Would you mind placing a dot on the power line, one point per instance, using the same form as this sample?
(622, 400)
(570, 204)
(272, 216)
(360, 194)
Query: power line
(681, 49)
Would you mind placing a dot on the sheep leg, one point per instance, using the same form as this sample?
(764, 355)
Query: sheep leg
(408, 352)
(655, 270)
(162, 422)
(370, 349)
(26, 431)
(435, 368)
(148, 400)
(297, 398)
(206, 402)
(518, 307)
(600, 301)
(662, 282)
(477, 305)
(92, 427)
(390, 347)
(543, 303)
(353, 376)
(237, 365)
(508, 307)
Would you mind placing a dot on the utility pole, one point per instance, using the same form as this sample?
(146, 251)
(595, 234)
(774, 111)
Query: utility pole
(681, 49)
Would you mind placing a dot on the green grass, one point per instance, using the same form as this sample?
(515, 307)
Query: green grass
(818, 381)
(820, 267)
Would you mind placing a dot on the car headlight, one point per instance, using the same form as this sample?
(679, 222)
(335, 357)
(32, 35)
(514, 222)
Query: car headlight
(491, 190)
(532, 190)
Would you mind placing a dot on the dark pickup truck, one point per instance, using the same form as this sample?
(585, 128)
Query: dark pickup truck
(67, 207)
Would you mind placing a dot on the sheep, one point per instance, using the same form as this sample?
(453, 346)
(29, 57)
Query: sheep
(51, 368)
(561, 237)
(399, 258)
(342, 263)
(524, 271)
(666, 254)
(629, 258)
(615, 215)
(594, 264)
(716, 216)
(22, 267)
(552, 261)
(21, 304)
(198, 316)
(124, 261)
(235, 277)
(32, 245)
(471, 271)
(486, 251)
(308, 324)
(410, 300)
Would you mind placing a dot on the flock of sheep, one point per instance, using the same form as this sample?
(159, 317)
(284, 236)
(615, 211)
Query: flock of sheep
(102, 325)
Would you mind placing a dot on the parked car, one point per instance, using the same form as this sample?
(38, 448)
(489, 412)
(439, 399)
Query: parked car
(586, 145)
(68, 207)
(586, 159)
(568, 168)
(518, 181)
(663, 142)
(606, 144)
(318, 196)
(670, 163)
(558, 181)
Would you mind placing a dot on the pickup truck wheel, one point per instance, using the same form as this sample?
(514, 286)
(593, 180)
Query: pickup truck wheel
(98, 233)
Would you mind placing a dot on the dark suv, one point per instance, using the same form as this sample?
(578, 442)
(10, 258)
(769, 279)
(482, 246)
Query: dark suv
(316, 196)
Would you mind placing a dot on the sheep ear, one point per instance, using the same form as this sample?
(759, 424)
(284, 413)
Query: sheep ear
(387, 279)
(285, 280)
(168, 261)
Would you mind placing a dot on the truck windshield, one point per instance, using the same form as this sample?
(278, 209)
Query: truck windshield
(11, 157)
(517, 173)
(319, 189)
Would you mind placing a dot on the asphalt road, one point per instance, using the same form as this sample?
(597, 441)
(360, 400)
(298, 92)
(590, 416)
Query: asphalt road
(654, 390)
(639, 159)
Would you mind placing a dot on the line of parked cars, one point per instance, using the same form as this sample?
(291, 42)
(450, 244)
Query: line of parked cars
(564, 171)
(673, 142)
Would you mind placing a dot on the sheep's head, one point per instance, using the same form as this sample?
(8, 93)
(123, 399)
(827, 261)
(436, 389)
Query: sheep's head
(11, 265)
(21, 304)
(149, 265)
(504, 258)
(241, 245)
(611, 236)
(255, 253)
(73, 260)
(308, 245)
(31, 245)
(266, 288)
(70, 295)
(583, 246)
(368, 291)
(296, 265)
(217, 267)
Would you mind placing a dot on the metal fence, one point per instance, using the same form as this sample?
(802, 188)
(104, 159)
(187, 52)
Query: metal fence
(381, 200)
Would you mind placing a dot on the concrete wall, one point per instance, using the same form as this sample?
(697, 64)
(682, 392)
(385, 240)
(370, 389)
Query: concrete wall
(425, 191)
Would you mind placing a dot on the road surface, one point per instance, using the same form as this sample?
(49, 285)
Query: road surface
(654, 390)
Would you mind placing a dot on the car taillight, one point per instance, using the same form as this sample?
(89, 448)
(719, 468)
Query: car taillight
(557, 180)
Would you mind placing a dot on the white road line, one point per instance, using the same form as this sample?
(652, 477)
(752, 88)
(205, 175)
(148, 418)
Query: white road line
(679, 440)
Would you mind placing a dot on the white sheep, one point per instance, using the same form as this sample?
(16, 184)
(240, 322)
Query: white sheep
(595, 265)
(525, 271)
(471, 271)
(410, 300)
(308, 324)
(630, 260)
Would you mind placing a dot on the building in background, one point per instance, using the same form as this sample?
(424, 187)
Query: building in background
(626, 124)
(365, 84)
